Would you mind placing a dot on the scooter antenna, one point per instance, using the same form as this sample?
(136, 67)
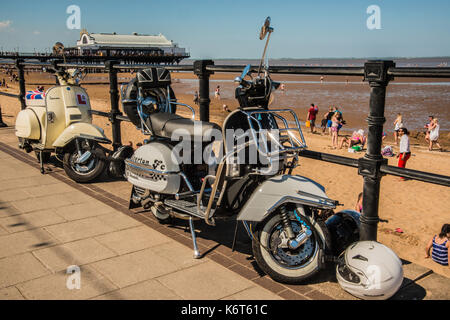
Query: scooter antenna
(265, 29)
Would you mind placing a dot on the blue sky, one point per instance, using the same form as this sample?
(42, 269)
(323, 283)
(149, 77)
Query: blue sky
(230, 28)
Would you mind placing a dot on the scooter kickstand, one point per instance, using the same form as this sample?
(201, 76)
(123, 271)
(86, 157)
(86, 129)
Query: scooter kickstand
(41, 161)
(197, 254)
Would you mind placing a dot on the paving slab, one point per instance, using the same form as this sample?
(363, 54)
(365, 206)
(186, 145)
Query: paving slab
(7, 209)
(253, 293)
(55, 286)
(15, 183)
(437, 287)
(135, 267)
(20, 268)
(118, 220)
(11, 293)
(79, 229)
(25, 241)
(42, 203)
(147, 290)
(58, 258)
(206, 281)
(82, 210)
(131, 240)
(31, 220)
(49, 190)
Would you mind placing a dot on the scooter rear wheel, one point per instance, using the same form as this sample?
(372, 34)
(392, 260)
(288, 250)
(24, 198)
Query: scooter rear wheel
(283, 264)
(87, 171)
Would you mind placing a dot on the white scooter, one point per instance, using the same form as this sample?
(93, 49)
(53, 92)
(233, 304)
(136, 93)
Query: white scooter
(60, 121)
(282, 212)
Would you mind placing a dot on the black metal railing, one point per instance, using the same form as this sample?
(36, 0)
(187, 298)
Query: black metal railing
(371, 167)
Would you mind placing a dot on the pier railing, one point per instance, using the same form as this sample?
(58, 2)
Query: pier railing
(372, 166)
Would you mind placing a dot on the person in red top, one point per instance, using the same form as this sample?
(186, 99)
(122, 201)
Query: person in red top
(311, 117)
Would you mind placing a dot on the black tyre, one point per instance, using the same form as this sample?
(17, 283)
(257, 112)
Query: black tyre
(87, 171)
(284, 264)
(45, 156)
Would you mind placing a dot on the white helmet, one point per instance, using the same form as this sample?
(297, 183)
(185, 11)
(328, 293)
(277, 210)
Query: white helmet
(369, 270)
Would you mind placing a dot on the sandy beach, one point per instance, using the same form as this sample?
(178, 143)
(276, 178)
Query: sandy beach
(418, 208)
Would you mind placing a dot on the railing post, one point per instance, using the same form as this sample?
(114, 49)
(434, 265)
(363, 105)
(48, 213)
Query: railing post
(21, 76)
(203, 76)
(114, 97)
(376, 72)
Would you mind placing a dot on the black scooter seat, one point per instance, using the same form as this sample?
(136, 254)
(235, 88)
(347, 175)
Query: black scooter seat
(164, 124)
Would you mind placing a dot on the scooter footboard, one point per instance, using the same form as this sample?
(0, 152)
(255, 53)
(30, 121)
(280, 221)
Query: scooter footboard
(283, 189)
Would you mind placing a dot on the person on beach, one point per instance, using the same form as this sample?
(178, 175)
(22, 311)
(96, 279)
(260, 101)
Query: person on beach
(427, 126)
(282, 87)
(398, 123)
(311, 117)
(335, 122)
(359, 206)
(357, 138)
(434, 134)
(405, 152)
(217, 93)
(440, 244)
(326, 121)
(196, 101)
(340, 118)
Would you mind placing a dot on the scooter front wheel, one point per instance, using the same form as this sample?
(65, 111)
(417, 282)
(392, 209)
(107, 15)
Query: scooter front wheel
(85, 171)
(281, 262)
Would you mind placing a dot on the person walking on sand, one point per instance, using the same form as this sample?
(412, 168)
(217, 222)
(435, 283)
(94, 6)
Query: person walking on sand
(217, 93)
(398, 123)
(405, 152)
(434, 134)
(440, 244)
(311, 117)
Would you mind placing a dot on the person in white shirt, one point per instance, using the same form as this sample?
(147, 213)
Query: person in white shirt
(434, 134)
(404, 153)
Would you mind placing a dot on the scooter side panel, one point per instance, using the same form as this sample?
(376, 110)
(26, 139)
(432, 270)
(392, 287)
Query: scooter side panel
(27, 125)
(55, 105)
(283, 189)
(79, 129)
(77, 105)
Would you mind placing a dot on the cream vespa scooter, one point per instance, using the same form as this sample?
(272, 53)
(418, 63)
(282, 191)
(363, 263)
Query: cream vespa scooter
(60, 121)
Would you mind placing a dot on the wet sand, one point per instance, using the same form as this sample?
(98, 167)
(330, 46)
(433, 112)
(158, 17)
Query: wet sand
(418, 208)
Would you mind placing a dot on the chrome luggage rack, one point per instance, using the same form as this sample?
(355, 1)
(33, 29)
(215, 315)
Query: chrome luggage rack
(295, 144)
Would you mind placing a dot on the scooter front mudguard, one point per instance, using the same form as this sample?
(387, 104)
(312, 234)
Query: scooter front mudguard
(81, 130)
(283, 189)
